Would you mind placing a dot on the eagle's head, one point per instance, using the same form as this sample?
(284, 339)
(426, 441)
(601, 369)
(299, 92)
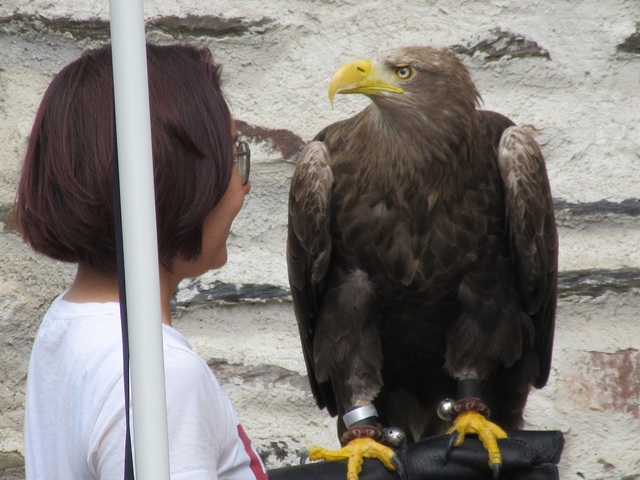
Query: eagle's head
(432, 80)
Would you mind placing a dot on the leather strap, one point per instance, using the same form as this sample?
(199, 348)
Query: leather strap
(117, 211)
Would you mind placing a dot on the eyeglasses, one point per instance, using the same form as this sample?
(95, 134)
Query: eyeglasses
(242, 158)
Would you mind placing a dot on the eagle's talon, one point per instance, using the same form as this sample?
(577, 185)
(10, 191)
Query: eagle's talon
(399, 468)
(496, 471)
(355, 452)
(304, 456)
(452, 443)
(472, 422)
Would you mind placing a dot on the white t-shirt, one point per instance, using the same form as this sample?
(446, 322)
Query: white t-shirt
(75, 422)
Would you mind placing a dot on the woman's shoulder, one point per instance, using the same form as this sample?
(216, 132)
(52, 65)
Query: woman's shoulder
(182, 364)
(80, 333)
(192, 389)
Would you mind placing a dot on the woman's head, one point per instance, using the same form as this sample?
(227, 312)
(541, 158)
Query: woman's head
(65, 196)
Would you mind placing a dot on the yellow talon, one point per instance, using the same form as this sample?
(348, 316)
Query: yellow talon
(355, 451)
(488, 432)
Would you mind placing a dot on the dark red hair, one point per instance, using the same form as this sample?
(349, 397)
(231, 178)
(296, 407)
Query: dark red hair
(64, 205)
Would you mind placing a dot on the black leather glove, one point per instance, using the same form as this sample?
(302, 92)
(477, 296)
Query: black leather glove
(526, 455)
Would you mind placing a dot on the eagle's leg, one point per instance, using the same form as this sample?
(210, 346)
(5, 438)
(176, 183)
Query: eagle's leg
(348, 354)
(361, 440)
(472, 418)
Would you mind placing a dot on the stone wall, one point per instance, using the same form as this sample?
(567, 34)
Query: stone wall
(569, 69)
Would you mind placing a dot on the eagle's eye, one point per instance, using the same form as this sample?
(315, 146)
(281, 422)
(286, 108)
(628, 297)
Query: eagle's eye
(404, 72)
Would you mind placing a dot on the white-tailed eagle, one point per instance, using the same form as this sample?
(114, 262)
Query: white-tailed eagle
(422, 256)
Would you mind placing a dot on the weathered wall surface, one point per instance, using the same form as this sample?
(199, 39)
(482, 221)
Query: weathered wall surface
(570, 69)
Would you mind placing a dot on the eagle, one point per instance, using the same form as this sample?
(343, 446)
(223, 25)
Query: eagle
(422, 256)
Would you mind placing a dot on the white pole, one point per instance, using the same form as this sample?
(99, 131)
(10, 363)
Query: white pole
(148, 401)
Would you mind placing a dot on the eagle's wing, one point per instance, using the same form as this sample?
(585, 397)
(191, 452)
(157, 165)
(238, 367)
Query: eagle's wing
(534, 239)
(309, 251)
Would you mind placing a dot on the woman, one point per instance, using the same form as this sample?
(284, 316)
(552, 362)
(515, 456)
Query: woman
(75, 421)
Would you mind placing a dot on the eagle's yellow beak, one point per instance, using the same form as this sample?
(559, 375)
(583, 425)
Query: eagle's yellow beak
(362, 76)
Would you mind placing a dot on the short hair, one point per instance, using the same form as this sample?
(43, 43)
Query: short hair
(64, 203)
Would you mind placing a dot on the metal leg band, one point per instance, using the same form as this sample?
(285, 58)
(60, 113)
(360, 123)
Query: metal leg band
(358, 414)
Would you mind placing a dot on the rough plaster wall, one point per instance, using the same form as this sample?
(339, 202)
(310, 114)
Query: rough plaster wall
(583, 98)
